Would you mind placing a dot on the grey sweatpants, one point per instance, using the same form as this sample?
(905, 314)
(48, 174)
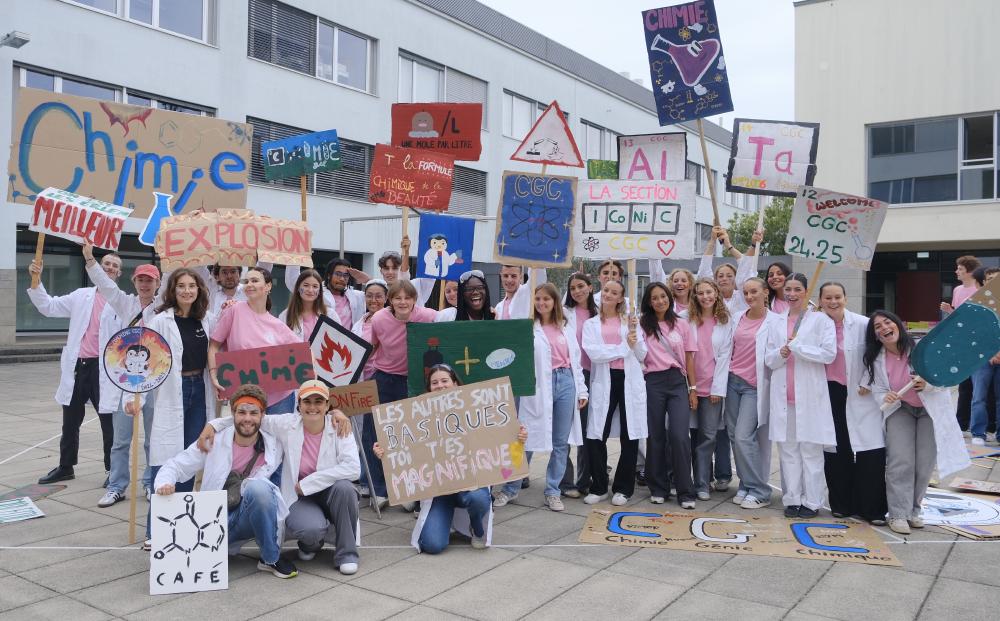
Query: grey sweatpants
(910, 455)
(310, 518)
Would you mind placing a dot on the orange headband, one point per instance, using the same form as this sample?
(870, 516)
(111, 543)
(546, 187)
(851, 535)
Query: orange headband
(248, 399)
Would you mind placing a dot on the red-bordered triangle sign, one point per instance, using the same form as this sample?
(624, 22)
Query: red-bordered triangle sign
(550, 141)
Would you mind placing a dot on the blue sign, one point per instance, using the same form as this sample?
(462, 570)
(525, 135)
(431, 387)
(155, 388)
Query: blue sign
(686, 64)
(444, 246)
(301, 155)
(535, 220)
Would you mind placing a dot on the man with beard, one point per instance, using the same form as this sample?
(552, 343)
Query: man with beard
(241, 452)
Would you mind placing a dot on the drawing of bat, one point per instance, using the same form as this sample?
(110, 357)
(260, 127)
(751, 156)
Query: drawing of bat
(125, 119)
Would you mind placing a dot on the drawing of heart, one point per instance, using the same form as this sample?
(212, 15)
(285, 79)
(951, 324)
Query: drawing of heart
(506, 472)
(666, 246)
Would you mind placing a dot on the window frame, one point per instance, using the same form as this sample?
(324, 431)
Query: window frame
(430, 64)
(369, 56)
(209, 21)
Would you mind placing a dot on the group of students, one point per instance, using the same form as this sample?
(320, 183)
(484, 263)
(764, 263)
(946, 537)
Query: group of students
(700, 366)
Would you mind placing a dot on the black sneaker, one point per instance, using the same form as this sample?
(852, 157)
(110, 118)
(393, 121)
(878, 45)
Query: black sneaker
(640, 477)
(792, 511)
(280, 568)
(59, 473)
(807, 513)
(525, 483)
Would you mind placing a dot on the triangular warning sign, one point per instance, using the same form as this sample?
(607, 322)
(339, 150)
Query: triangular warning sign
(550, 141)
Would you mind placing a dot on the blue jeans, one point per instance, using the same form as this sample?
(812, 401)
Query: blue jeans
(284, 406)
(118, 480)
(391, 388)
(981, 380)
(437, 527)
(563, 409)
(709, 415)
(257, 518)
(741, 421)
(723, 462)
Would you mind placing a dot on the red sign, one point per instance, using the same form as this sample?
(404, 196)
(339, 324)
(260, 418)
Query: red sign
(411, 178)
(274, 369)
(452, 128)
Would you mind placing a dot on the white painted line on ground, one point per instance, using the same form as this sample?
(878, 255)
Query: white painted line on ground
(58, 435)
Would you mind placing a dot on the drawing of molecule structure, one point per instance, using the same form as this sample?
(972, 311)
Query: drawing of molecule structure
(187, 535)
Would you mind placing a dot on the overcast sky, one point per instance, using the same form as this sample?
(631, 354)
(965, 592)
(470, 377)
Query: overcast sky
(759, 44)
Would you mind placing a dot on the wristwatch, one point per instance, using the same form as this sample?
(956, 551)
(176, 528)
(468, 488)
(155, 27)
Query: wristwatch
(692, 388)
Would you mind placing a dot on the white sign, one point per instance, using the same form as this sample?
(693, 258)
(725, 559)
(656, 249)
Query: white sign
(190, 543)
(19, 509)
(772, 157)
(339, 355)
(660, 157)
(550, 141)
(78, 218)
(628, 219)
(840, 229)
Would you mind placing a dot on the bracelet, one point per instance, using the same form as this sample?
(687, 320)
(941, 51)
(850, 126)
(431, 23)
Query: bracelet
(729, 248)
(692, 388)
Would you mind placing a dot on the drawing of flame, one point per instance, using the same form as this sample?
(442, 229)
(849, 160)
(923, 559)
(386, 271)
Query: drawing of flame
(327, 350)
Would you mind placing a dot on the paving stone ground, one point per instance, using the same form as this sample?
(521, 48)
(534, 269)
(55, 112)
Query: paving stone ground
(71, 564)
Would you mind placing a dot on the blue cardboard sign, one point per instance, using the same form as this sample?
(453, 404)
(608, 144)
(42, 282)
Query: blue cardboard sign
(686, 63)
(444, 246)
(300, 155)
(535, 220)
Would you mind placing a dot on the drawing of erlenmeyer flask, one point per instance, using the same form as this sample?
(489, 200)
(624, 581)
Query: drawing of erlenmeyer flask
(161, 210)
(692, 60)
(862, 251)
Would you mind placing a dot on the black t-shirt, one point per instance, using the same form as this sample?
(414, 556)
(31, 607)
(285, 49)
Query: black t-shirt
(195, 344)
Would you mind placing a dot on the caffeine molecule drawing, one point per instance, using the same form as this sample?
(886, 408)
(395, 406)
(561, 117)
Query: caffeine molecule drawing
(187, 535)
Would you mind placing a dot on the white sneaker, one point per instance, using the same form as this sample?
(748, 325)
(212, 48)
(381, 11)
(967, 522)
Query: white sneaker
(754, 503)
(977, 441)
(721, 486)
(619, 500)
(657, 500)
(687, 504)
(365, 492)
(501, 499)
(916, 522)
(409, 506)
(704, 496)
(306, 556)
(479, 543)
(149, 494)
(109, 498)
(593, 499)
(555, 503)
(348, 569)
(673, 492)
(740, 495)
(900, 526)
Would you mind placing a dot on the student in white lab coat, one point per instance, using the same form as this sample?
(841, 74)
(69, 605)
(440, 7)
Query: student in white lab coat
(801, 420)
(680, 281)
(921, 430)
(516, 284)
(855, 467)
(617, 349)
(729, 277)
(579, 306)
(344, 303)
(473, 300)
(550, 415)
(305, 305)
(777, 272)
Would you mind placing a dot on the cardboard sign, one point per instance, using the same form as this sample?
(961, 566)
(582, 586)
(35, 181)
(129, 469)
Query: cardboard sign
(635, 220)
(444, 246)
(985, 532)
(411, 178)
(819, 540)
(236, 237)
(476, 350)
(686, 63)
(983, 487)
(274, 369)
(954, 509)
(78, 218)
(354, 399)
(840, 229)
(451, 128)
(17, 509)
(122, 154)
(137, 359)
(772, 157)
(450, 441)
(190, 543)
(602, 169)
(301, 155)
(659, 157)
(550, 141)
(535, 220)
(339, 355)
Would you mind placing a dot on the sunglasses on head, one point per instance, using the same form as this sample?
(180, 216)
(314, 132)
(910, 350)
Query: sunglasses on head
(466, 276)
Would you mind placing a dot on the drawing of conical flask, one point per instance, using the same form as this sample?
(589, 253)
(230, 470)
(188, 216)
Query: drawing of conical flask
(862, 251)
(161, 210)
(692, 60)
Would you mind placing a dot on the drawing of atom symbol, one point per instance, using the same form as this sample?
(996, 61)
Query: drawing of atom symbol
(187, 535)
(591, 244)
(536, 223)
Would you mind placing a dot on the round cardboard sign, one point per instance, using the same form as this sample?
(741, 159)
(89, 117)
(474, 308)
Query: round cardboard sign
(137, 359)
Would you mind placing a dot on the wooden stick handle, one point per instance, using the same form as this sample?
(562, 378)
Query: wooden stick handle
(902, 391)
(134, 483)
(633, 285)
(531, 293)
(39, 249)
(443, 284)
(708, 174)
(303, 192)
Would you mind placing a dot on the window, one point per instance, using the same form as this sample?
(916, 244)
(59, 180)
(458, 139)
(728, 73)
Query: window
(598, 142)
(111, 6)
(463, 88)
(703, 189)
(693, 171)
(57, 83)
(419, 80)
(977, 165)
(468, 192)
(520, 113)
(186, 17)
(892, 140)
(152, 101)
(343, 56)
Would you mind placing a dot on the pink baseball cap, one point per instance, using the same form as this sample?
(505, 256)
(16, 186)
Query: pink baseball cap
(147, 270)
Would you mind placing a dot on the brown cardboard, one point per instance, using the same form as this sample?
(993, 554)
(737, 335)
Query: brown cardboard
(985, 487)
(354, 399)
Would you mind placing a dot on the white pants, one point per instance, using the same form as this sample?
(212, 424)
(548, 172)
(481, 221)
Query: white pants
(802, 469)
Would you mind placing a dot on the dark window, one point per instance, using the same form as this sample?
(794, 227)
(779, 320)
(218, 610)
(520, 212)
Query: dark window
(892, 140)
(915, 190)
(468, 192)
(282, 35)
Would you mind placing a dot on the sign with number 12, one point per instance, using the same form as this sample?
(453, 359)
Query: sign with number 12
(840, 229)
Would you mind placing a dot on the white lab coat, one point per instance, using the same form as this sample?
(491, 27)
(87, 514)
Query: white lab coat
(520, 303)
(354, 297)
(216, 466)
(722, 351)
(763, 372)
(746, 267)
(601, 356)
(166, 436)
(864, 418)
(952, 455)
(535, 412)
(424, 287)
(460, 521)
(814, 347)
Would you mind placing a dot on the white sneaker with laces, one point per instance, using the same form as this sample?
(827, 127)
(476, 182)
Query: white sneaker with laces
(721, 486)
(687, 504)
(593, 499)
(381, 502)
(306, 556)
(899, 525)
(109, 498)
(501, 499)
(704, 496)
(555, 503)
(619, 500)
(754, 503)
(977, 441)
(916, 522)
(348, 569)
(479, 543)
(738, 498)
(657, 500)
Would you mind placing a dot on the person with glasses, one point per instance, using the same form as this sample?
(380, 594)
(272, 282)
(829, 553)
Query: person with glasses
(473, 300)
(344, 303)
(305, 304)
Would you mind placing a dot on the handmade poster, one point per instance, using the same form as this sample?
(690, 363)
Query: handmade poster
(962, 342)
(411, 178)
(17, 509)
(450, 441)
(274, 369)
(983, 487)
(975, 452)
(33, 491)
(983, 532)
(451, 128)
(339, 355)
(825, 539)
(233, 237)
(137, 359)
(653, 157)
(535, 220)
(301, 155)
(123, 154)
(190, 542)
(772, 157)
(444, 246)
(686, 63)
(354, 399)
(78, 218)
(840, 229)
(476, 350)
(635, 220)
(602, 169)
(550, 141)
(951, 508)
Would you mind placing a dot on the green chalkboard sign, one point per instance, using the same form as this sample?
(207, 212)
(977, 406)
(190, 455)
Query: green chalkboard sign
(476, 350)
(602, 169)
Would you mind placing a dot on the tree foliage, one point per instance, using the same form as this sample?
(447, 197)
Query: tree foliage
(776, 218)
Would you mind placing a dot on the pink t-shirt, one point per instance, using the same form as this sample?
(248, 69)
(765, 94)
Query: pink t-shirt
(744, 363)
(89, 346)
(390, 356)
(366, 334)
(898, 370)
(342, 307)
(679, 308)
(704, 358)
(836, 371)
(611, 335)
(310, 453)
(558, 346)
(240, 328)
(790, 363)
(308, 325)
(779, 306)
(242, 456)
(962, 293)
(667, 351)
(582, 315)
(505, 311)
